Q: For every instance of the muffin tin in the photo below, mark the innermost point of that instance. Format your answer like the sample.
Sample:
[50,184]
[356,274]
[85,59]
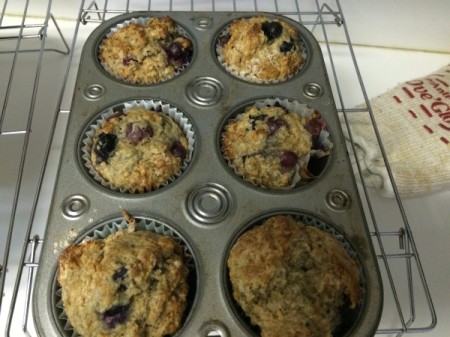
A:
[207,206]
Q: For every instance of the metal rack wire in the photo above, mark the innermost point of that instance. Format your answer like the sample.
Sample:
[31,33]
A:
[31,42]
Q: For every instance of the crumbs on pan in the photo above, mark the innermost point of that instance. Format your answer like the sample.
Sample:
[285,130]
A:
[66,241]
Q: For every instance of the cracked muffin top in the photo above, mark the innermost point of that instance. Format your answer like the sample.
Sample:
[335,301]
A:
[292,278]
[138,151]
[261,49]
[145,53]
[267,145]
[132,283]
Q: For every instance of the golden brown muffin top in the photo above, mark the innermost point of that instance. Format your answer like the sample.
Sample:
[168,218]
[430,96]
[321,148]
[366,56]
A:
[145,53]
[131,283]
[261,48]
[292,278]
[139,150]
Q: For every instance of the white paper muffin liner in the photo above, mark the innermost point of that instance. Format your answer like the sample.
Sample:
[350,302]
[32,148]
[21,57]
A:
[179,118]
[252,78]
[304,111]
[143,21]
[102,232]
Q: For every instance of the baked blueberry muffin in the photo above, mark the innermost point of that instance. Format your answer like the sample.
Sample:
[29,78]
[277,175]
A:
[139,150]
[145,53]
[292,278]
[132,283]
[261,49]
[269,146]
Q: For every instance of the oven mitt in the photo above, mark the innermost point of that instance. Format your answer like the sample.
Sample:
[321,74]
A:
[413,120]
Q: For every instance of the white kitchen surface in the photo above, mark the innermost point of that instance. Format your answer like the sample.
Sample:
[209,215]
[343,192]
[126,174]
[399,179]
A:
[393,41]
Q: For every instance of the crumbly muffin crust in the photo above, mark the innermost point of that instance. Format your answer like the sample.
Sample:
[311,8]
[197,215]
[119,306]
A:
[139,150]
[145,54]
[261,48]
[266,145]
[130,284]
[292,278]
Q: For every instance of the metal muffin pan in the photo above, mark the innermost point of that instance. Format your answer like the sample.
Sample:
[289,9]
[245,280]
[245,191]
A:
[208,205]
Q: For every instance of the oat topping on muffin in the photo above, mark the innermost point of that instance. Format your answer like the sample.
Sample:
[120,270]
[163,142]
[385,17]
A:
[293,278]
[268,146]
[139,150]
[146,53]
[132,283]
[261,48]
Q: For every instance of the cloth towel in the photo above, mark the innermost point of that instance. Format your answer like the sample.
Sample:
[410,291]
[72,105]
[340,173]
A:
[413,120]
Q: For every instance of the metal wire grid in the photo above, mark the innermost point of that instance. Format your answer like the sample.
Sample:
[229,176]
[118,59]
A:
[393,241]
[22,38]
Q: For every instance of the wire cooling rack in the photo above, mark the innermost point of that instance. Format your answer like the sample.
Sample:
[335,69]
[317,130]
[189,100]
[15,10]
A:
[38,59]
